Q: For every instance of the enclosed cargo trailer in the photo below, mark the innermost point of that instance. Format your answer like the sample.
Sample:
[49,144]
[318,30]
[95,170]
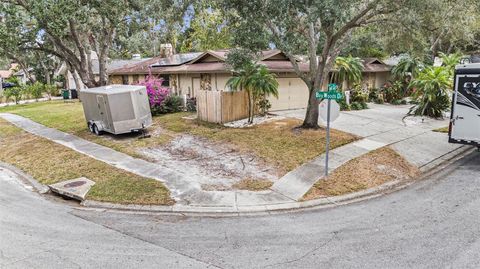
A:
[116,109]
[465,117]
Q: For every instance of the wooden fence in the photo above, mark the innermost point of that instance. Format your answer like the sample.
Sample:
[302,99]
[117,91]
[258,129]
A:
[221,107]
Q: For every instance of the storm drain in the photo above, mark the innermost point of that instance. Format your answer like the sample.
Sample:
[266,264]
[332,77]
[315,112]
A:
[75,188]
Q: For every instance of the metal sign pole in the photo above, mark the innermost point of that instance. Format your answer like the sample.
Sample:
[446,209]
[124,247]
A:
[328,137]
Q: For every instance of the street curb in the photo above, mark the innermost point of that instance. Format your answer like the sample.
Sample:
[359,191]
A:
[432,168]
[39,187]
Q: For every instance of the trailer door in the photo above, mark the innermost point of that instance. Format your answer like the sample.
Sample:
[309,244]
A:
[466,109]
[103,112]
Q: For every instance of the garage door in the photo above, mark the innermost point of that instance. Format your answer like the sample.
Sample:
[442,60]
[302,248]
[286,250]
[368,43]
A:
[292,94]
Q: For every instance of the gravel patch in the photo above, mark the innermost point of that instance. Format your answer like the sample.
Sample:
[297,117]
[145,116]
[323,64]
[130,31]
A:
[256,120]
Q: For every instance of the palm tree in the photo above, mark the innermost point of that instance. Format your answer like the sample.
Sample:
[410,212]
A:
[257,81]
[432,92]
[407,68]
[451,60]
[348,69]
[263,84]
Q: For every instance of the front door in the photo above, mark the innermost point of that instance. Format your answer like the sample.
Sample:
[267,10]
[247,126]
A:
[195,86]
[103,112]
[466,113]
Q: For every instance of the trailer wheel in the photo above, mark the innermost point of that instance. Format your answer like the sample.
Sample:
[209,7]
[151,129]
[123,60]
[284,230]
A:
[90,127]
[96,130]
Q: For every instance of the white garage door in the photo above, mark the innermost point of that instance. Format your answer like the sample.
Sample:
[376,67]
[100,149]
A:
[292,94]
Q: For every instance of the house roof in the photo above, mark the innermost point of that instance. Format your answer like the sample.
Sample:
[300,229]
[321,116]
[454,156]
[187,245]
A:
[5,73]
[214,62]
[144,66]
[9,72]
[375,65]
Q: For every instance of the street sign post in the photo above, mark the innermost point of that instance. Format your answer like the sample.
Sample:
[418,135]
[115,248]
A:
[331,94]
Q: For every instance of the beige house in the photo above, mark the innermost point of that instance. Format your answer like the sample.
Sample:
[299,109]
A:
[188,73]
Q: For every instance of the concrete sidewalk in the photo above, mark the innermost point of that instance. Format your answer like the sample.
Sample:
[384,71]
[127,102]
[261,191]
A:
[380,126]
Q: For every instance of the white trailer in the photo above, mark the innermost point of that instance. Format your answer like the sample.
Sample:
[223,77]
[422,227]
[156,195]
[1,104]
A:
[465,117]
[116,109]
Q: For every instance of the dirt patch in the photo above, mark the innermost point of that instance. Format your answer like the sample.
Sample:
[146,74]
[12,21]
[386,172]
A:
[215,165]
[367,171]
[253,185]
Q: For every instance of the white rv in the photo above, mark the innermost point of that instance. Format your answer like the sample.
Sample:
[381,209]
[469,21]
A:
[116,109]
[465,118]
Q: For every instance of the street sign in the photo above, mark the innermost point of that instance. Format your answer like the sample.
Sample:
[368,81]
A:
[330,95]
[329,111]
[334,110]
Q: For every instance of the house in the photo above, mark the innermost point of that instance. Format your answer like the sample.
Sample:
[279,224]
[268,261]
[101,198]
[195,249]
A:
[23,76]
[112,64]
[188,73]
[5,74]
[376,73]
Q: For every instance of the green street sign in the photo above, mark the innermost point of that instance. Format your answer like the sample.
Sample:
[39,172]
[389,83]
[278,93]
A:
[332,87]
[330,95]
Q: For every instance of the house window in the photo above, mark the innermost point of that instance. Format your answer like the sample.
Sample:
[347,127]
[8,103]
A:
[135,79]
[166,80]
[125,80]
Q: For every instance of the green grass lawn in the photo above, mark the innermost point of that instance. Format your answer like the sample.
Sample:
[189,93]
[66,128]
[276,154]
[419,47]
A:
[278,143]
[49,162]
[68,117]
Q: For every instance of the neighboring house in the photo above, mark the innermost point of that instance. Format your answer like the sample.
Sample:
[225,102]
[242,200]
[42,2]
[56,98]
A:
[5,74]
[23,77]
[375,73]
[188,73]
[111,65]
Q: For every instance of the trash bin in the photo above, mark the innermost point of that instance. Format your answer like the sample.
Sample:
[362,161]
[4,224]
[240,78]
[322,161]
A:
[73,94]
[66,94]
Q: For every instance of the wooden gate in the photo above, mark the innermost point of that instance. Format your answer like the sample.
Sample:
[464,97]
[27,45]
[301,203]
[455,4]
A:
[222,107]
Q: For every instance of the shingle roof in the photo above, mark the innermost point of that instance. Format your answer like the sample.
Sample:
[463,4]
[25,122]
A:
[374,65]
[189,63]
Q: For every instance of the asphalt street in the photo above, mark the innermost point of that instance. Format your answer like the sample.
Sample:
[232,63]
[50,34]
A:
[434,223]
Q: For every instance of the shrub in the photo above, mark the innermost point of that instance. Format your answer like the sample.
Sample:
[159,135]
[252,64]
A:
[15,92]
[376,96]
[51,90]
[432,87]
[396,102]
[394,92]
[171,104]
[36,90]
[343,105]
[356,106]
[364,105]
[264,105]
[191,104]
[156,93]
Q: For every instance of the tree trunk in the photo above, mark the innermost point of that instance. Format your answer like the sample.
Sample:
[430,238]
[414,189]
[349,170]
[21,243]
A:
[311,117]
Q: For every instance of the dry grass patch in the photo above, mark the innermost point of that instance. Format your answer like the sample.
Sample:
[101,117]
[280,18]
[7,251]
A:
[442,130]
[49,163]
[277,142]
[253,184]
[370,170]
[68,117]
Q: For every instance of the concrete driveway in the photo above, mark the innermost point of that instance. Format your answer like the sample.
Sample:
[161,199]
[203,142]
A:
[432,224]
[412,137]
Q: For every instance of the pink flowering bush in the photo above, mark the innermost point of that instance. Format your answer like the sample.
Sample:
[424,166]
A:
[156,92]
